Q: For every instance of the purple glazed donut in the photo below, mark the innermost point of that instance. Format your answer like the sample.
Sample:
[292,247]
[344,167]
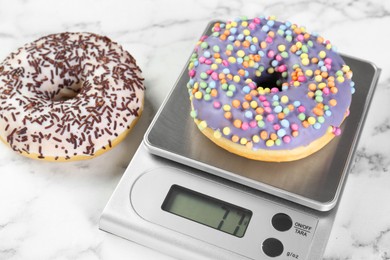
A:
[268,90]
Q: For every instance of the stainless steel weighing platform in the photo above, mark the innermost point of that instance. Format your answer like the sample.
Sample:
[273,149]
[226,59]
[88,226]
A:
[292,205]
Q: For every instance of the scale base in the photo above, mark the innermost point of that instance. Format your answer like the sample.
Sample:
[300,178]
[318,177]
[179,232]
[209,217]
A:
[121,218]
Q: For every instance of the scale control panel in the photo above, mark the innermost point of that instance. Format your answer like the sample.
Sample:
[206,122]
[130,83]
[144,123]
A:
[222,216]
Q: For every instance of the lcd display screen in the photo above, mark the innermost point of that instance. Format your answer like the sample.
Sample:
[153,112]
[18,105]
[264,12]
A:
[207,210]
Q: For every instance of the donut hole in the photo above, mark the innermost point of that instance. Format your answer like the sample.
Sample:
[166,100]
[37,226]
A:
[66,93]
[269,80]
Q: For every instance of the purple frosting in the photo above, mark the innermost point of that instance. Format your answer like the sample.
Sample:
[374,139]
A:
[292,86]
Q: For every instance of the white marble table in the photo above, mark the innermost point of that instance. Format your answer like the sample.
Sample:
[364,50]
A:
[51,210]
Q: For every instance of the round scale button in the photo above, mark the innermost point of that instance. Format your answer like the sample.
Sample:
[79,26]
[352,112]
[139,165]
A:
[282,222]
[272,247]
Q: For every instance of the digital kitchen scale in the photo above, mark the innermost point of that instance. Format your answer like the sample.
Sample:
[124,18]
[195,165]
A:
[186,197]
